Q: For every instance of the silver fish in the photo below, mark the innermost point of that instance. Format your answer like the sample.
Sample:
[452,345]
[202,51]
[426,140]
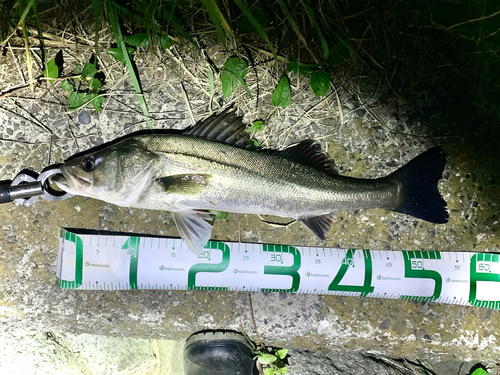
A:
[214,165]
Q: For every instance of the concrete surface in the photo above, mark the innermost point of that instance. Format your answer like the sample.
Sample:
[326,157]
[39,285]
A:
[26,353]
[361,147]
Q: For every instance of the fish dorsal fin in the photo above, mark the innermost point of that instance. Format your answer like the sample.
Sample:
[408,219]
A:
[318,224]
[309,153]
[224,127]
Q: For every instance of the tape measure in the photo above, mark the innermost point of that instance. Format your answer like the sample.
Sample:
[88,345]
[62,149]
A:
[122,262]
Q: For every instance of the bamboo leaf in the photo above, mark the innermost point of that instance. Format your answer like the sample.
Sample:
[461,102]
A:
[312,17]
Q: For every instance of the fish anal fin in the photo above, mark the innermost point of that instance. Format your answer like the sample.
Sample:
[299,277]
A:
[186,184]
[319,225]
[309,153]
[193,228]
[224,127]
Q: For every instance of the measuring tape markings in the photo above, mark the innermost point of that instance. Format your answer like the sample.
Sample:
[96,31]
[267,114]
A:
[127,262]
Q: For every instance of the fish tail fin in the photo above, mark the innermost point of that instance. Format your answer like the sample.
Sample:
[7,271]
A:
[419,196]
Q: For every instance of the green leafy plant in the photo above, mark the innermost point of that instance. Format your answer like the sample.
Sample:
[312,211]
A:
[281,95]
[320,82]
[272,364]
[51,70]
[232,75]
[269,360]
[339,53]
[257,126]
[218,215]
[85,89]
[137,40]
[479,371]
[320,79]
[118,55]
[303,69]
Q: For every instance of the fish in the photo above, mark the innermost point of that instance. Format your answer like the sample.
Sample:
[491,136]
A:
[215,165]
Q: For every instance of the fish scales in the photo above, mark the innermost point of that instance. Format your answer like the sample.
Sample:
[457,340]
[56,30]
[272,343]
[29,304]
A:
[214,166]
[250,181]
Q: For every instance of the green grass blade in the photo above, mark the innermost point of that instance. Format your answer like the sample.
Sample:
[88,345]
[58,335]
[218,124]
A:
[115,26]
[177,25]
[314,23]
[129,15]
[218,19]
[29,60]
[21,22]
[295,27]
[40,34]
[97,6]
[257,25]
[25,11]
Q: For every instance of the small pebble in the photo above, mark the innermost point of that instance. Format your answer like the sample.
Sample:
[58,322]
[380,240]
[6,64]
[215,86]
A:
[84,118]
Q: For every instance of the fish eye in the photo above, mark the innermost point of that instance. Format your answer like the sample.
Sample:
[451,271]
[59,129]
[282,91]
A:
[88,165]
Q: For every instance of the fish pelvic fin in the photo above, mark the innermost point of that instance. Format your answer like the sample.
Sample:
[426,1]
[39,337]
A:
[319,225]
[193,228]
[419,195]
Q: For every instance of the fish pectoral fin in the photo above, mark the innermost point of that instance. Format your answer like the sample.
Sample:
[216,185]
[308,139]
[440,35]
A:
[318,224]
[186,184]
[193,228]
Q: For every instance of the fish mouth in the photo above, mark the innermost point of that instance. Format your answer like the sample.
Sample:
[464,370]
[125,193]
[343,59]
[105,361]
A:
[70,183]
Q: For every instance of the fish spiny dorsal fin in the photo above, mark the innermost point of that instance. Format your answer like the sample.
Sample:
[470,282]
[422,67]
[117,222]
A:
[224,127]
[309,153]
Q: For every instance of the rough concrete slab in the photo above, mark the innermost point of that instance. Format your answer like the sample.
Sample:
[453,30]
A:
[108,355]
[31,353]
[58,353]
[349,363]
[361,148]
